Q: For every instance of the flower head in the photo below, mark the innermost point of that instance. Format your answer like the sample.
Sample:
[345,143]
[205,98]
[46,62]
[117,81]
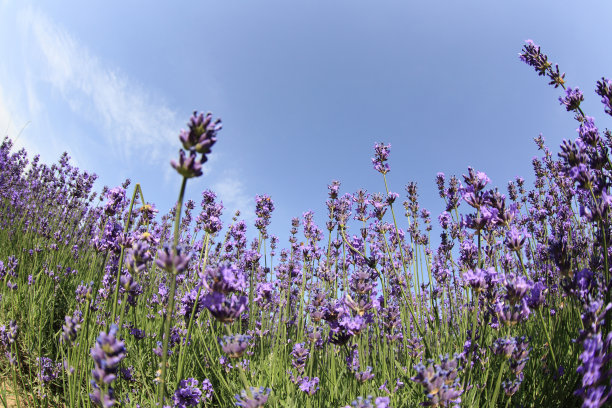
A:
[572,99]
[226,279]
[172,262]
[187,394]
[107,353]
[381,155]
[309,385]
[234,346]
[257,398]
[202,133]
[225,308]
[187,167]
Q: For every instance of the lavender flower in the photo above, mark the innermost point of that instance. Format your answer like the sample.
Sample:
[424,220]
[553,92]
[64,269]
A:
[258,397]
[517,288]
[595,357]
[225,308]
[379,402]
[47,369]
[173,263]
[364,376]
[263,209]
[107,353]
[234,346]
[116,201]
[299,356]
[187,167]
[515,239]
[210,217]
[604,89]
[572,99]
[71,327]
[539,61]
[202,134]
[441,382]
[480,279]
[225,279]
[309,385]
[381,155]
[187,394]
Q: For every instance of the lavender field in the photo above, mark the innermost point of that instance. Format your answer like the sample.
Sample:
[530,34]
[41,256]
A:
[106,302]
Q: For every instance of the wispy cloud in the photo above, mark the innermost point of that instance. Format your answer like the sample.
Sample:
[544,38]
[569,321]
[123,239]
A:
[231,190]
[11,124]
[131,119]
[78,102]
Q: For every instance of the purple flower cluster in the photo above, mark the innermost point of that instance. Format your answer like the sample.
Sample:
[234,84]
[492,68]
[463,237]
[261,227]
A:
[223,302]
[188,394]
[441,382]
[48,370]
[71,327]
[381,156]
[370,402]
[199,139]
[263,210]
[234,346]
[255,398]
[210,218]
[174,262]
[107,353]
[516,350]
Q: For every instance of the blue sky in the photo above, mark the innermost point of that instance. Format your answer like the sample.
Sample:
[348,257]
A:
[304,90]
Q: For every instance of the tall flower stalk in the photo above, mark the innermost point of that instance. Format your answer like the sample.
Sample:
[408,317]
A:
[199,139]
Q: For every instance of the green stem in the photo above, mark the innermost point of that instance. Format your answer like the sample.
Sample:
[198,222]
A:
[193,312]
[168,322]
[120,266]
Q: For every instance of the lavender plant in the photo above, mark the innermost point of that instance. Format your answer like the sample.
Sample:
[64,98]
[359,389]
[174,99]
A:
[361,311]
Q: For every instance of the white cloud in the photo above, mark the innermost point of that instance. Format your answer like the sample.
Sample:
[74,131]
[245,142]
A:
[12,125]
[79,103]
[131,119]
[231,191]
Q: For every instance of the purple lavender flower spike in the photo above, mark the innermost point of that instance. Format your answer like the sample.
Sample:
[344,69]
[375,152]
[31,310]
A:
[516,239]
[517,288]
[70,329]
[209,219]
[107,353]
[361,402]
[299,356]
[480,279]
[116,201]
[309,385]
[589,134]
[202,133]
[573,98]
[226,279]
[381,155]
[441,382]
[259,397]
[532,56]
[604,89]
[171,262]
[234,346]
[187,167]
[225,308]
[364,376]
[187,394]
[263,209]
[48,370]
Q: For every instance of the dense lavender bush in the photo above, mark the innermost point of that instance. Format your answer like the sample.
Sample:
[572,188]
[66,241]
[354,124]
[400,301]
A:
[103,303]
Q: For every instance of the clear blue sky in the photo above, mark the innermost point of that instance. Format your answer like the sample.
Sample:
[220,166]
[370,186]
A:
[304,89]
